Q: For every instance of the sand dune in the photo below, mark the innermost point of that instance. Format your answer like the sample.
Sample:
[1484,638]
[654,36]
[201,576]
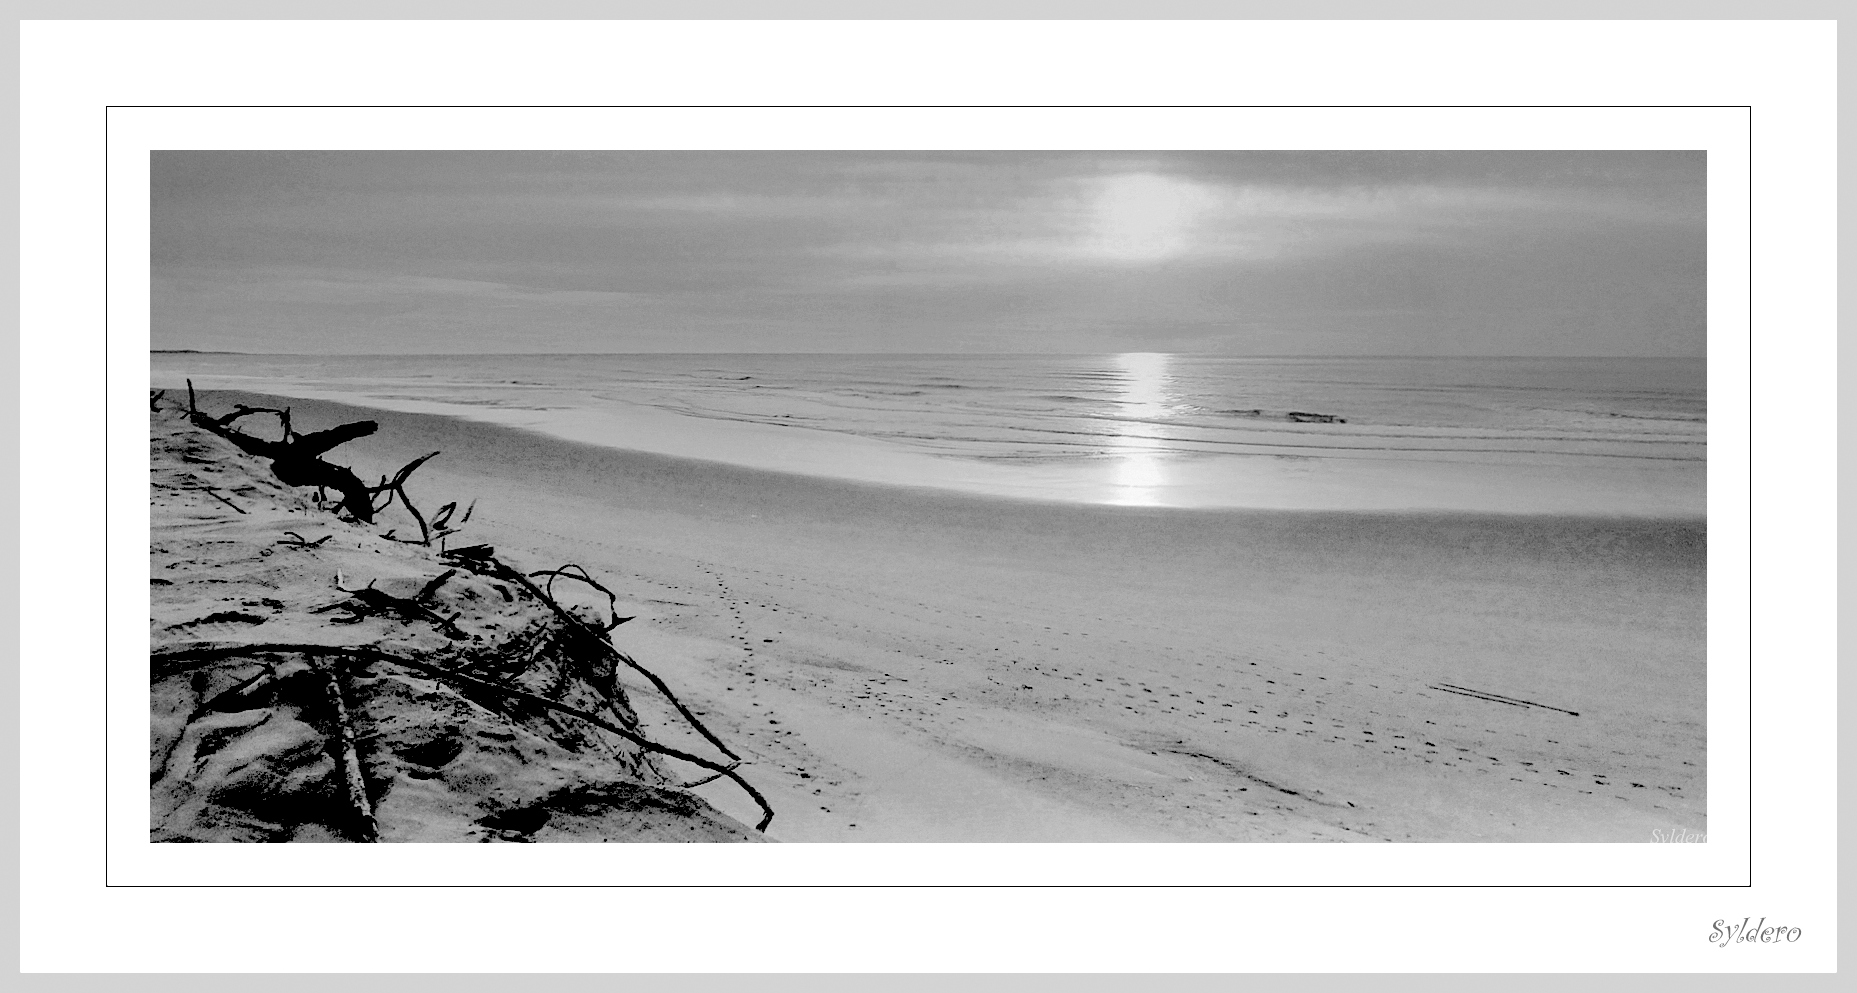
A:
[254,737]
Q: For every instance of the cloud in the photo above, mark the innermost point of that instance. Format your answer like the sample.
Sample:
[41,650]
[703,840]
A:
[863,251]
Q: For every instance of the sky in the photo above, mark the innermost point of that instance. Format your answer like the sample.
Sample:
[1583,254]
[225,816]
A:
[1238,253]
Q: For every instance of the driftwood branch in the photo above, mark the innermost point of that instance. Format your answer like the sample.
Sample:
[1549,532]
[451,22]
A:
[397,487]
[355,786]
[175,661]
[318,442]
[296,540]
[483,557]
[240,410]
[426,592]
[581,575]
[297,459]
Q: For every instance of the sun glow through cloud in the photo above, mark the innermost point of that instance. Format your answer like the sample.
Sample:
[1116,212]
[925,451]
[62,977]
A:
[1343,253]
[1144,217]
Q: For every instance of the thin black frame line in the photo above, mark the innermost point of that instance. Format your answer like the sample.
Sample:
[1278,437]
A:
[1750,500]
[936,886]
[930,106]
[1750,344]
[106,495]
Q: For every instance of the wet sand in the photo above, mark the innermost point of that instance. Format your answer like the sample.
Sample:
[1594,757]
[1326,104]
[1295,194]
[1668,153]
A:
[906,664]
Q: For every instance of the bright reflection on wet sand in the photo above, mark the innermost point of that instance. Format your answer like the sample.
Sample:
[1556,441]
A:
[1140,471]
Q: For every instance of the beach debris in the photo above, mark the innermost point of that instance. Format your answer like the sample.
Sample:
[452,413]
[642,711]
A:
[397,487]
[219,617]
[265,711]
[295,540]
[1498,698]
[370,602]
[524,822]
[169,662]
[215,494]
[1294,416]
[485,563]
[427,591]
[296,459]
[516,661]
[349,762]
[580,574]
[1312,796]
[441,521]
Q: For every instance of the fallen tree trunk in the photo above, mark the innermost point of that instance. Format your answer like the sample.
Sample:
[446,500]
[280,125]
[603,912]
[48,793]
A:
[297,459]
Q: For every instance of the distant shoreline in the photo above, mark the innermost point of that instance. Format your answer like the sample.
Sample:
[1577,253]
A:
[1357,485]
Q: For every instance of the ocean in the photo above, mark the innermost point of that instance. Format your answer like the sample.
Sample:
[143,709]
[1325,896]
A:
[1568,436]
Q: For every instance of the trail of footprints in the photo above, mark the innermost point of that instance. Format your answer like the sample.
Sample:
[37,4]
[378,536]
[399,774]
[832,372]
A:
[1038,671]
[924,670]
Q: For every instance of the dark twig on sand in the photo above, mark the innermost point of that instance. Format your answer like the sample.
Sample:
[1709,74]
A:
[209,491]
[296,540]
[175,661]
[427,591]
[1498,698]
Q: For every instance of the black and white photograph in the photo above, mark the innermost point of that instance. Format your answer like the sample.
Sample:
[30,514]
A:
[946,496]
[939,496]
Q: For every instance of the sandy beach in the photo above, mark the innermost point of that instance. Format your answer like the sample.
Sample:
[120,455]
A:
[905,664]
[314,679]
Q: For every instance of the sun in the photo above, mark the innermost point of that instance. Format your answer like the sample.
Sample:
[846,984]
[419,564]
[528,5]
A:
[1144,217]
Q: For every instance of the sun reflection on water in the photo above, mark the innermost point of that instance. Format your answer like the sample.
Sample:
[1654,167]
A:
[1140,467]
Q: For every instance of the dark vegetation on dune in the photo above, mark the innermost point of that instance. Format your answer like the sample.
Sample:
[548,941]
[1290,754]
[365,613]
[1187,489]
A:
[476,706]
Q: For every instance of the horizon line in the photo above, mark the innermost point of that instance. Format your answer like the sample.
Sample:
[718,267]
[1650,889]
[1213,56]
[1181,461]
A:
[1233,355]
